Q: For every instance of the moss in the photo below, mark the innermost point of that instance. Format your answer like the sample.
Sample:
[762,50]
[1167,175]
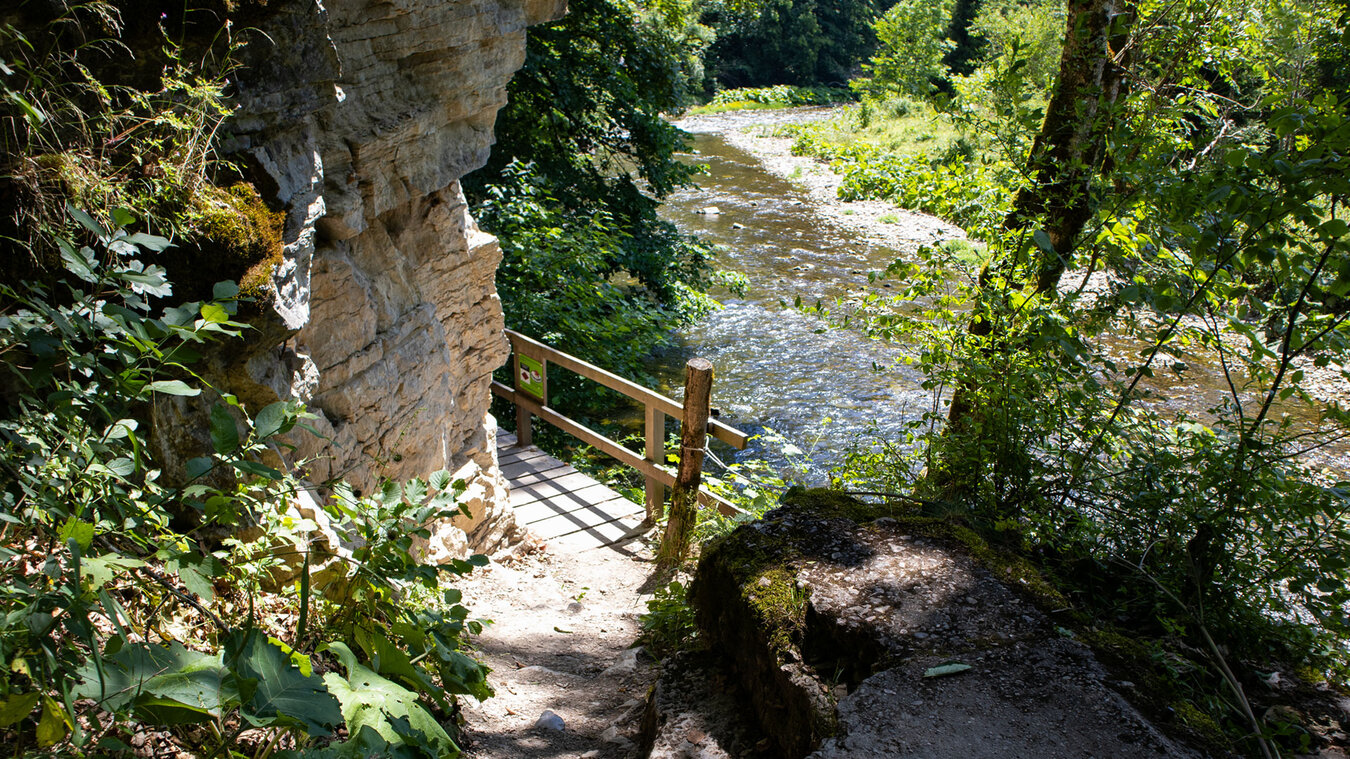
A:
[233,236]
[781,607]
[1010,568]
[830,504]
[762,570]
[1199,724]
[1155,673]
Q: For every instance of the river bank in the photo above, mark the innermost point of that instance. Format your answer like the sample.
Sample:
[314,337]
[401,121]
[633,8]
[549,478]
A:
[877,221]
[883,224]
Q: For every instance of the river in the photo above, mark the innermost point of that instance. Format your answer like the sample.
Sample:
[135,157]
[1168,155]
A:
[825,389]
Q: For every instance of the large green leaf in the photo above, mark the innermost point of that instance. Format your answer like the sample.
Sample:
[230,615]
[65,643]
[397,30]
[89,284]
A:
[391,661]
[162,684]
[100,570]
[282,692]
[371,702]
[173,387]
[224,435]
[271,420]
[17,707]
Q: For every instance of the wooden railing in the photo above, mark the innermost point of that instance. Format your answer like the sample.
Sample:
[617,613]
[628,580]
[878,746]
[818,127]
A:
[530,361]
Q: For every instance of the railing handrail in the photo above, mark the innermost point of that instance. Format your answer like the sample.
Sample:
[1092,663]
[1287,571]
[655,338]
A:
[646,396]
[657,408]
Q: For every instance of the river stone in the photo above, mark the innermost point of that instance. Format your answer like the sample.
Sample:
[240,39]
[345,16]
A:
[550,721]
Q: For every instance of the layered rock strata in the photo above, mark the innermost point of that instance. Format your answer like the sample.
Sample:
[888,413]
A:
[360,117]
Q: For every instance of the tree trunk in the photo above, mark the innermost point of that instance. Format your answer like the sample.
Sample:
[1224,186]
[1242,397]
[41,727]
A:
[1069,151]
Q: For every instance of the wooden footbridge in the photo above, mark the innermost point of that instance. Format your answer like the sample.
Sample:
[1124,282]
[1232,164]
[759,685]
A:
[570,509]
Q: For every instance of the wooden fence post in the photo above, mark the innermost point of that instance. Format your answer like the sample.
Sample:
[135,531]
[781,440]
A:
[531,378]
[698,376]
[655,438]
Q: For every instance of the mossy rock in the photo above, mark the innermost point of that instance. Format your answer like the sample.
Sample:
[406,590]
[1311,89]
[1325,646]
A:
[749,605]
[232,236]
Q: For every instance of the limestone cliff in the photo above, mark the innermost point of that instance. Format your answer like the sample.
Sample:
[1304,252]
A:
[363,115]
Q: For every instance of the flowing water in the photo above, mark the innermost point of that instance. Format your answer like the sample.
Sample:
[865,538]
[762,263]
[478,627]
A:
[775,367]
[825,389]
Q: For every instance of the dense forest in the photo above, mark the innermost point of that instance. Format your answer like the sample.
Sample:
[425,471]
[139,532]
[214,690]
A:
[1139,183]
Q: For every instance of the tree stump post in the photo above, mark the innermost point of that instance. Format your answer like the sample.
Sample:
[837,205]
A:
[698,376]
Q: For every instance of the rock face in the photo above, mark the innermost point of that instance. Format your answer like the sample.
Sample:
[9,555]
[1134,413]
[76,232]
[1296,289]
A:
[834,622]
[694,712]
[362,116]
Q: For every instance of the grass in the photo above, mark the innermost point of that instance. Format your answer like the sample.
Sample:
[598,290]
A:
[900,128]
[736,105]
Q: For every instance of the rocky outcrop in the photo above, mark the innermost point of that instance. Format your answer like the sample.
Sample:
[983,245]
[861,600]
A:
[359,118]
[843,628]
[695,712]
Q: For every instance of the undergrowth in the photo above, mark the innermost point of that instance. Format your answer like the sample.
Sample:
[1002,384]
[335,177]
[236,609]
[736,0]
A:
[777,96]
[181,588]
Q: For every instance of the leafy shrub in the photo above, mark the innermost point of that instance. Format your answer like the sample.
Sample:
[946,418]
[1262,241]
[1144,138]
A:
[783,95]
[668,626]
[104,552]
[80,128]
[560,277]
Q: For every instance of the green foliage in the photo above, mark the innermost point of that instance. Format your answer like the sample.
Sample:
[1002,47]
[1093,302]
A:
[1216,237]
[668,626]
[560,276]
[102,547]
[81,126]
[972,194]
[969,196]
[782,95]
[374,704]
[911,45]
[582,157]
[965,46]
[802,42]
[587,108]
[753,484]
[1033,31]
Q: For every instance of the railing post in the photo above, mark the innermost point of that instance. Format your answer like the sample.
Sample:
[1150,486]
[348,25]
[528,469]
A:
[531,374]
[698,376]
[654,433]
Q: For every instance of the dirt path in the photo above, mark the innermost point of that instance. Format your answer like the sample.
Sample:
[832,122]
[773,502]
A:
[569,682]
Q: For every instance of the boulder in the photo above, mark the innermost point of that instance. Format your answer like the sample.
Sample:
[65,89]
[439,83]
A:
[841,624]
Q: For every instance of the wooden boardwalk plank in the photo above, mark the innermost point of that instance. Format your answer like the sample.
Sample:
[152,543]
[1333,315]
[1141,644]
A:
[517,455]
[549,516]
[592,519]
[568,509]
[576,482]
[535,468]
[609,535]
